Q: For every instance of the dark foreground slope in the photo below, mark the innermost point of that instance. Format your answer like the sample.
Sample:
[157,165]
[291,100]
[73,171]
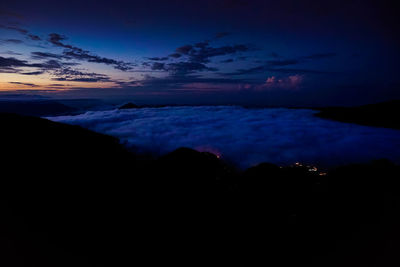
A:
[71,197]
[379,115]
[43,107]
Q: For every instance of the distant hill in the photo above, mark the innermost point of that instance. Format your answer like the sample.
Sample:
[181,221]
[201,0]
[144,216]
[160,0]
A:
[73,197]
[379,115]
[128,106]
[41,107]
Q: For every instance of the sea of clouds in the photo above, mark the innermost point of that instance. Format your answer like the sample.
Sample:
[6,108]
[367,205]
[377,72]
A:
[244,137]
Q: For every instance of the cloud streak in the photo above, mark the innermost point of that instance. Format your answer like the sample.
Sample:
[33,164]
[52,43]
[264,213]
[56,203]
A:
[77,53]
[12,41]
[21,31]
[71,75]
[193,58]
[24,84]
[61,70]
[279,65]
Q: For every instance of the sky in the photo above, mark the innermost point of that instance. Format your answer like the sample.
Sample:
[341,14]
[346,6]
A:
[271,53]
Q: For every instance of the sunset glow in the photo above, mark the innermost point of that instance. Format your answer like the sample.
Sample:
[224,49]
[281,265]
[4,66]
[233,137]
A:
[198,54]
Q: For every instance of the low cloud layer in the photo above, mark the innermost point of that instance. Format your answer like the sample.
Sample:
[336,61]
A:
[244,137]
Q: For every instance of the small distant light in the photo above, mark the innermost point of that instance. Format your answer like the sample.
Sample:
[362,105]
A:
[313,169]
[322,173]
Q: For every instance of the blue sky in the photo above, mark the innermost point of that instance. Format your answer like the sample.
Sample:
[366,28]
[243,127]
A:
[202,52]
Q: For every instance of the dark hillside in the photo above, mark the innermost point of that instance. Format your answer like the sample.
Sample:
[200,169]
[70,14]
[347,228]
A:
[379,115]
[35,107]
[72,197]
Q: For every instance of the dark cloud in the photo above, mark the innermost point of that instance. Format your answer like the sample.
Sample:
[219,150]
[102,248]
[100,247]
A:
[80,54]
[52,64]
[25,84]
[34,37]
[204,54]
[181,82]
[158,66]
[13,62]
[71,75]
[32,73]
[253,70]
[125,84]
[21,31]
[86,80]
[8,70]
[182,68]
[158,58]
[60,70]
[71,72]
[273,65]
[196,57]
[175,55]
[177,81]
[193,59]
[14,28]
[55,67]
[56,39]
[43,55]
[70,52]
[11,53]
[184,49]
[268,68]
[202,44]
[227,60]
[12,41]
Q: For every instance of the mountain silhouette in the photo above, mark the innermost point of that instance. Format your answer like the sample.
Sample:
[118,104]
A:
[42,107]
[128,106]
[379,115]
[73,197]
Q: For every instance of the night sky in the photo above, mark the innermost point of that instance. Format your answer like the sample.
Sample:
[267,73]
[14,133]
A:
[290,53]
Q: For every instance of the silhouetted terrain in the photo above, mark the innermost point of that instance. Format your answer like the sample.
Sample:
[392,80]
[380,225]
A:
[128,106]
[72,197]
[379,115]
[42,106]
[35,107]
